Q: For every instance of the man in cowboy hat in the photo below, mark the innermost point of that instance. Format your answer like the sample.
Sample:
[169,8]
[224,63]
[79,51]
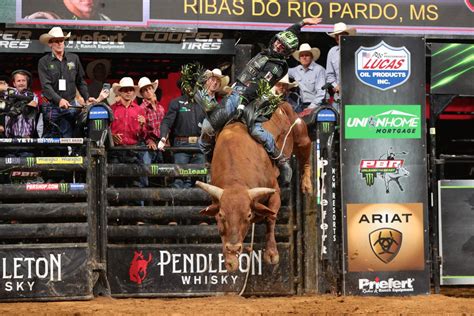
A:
[333,61]
[61,74]
[310,76]
[97,70]
[69,10]
[270,66]
[182,123]
[286,90]
[154,113]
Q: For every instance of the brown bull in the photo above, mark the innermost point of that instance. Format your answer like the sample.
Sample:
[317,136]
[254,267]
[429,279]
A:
[244,181]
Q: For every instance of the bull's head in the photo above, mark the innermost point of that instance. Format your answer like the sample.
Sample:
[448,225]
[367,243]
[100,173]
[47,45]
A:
[235,209]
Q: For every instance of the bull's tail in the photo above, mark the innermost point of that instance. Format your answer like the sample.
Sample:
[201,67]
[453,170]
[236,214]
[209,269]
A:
[282,149]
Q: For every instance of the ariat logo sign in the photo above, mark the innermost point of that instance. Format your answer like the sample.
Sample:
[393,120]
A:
[391,285]
[382,66]
[30,161]
[385,243]
[64,187]
[387,169]
[382,121]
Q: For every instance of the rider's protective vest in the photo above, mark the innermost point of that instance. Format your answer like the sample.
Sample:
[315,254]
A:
[262,66]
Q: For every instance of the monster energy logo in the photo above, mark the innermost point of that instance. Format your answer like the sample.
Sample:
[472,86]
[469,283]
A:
[154,169]
[30,161]
[326,126]
[98,124]
[63,187]
[369,178]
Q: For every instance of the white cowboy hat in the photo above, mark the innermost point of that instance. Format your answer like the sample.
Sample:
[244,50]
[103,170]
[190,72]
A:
[90,67]
[216,72]
[55,32]
[125,82]
[341,27]
[306,48]
[285,80]
[143,82]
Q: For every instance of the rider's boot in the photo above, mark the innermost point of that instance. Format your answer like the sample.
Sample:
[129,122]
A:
[283,164]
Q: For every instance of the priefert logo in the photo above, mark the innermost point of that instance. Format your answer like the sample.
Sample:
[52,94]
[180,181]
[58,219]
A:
[386,286]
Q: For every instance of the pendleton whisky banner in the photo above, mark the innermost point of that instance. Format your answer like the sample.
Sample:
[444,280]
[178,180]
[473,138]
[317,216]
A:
[383,159]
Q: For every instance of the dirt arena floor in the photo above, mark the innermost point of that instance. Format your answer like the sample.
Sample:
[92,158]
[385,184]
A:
[452,301]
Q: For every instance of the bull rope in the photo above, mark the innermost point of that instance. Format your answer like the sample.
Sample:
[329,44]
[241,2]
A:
[250,262]
[286,137]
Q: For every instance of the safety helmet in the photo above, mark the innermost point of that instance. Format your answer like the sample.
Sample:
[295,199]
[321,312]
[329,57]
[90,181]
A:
[289,40]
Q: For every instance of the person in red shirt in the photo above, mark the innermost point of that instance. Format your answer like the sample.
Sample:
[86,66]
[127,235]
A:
[128,127]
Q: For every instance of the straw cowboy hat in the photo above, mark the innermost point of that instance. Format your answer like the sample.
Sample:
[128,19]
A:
[55,32]
[125,82]
[341,27]
[216,72]
[306,48]
[285,80]
[90,67]
[144,82]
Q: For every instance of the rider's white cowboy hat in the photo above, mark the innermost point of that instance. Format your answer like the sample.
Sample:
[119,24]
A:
[305,47]
[341,27]
[143,82]
[55,32]
[90,67]
[125,82]
[216,72]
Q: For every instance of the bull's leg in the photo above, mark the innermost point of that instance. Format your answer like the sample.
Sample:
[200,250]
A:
[271,252]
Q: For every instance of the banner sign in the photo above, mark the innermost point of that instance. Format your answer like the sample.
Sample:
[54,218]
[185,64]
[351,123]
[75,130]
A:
[184,270]
[456,238]
[26,41]
[54,272]
[327,206]
[383,159]
[383,16]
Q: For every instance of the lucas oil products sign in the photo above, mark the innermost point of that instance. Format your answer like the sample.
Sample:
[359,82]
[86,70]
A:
[384,179]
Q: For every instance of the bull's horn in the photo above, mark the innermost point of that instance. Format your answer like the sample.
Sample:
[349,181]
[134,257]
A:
[258,192]
[214,191]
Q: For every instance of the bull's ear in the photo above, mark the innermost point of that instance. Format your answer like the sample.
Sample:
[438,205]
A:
[211,210]
[262,210]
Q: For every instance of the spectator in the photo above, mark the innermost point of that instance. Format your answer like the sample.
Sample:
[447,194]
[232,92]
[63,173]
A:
[288,92]
[182,121]
[61,73]
[97,70]
[333,63]
[23,123]
[310,76]
[3,88]
[70,10]
[154,113]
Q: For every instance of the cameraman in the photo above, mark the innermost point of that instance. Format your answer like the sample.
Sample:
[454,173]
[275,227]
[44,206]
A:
[20,121]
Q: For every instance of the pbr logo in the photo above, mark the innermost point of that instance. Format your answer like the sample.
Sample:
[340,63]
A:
[387,167]
[382,66]
[386,243]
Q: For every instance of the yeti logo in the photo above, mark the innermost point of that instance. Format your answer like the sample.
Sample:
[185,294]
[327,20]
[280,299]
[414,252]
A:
[385,243]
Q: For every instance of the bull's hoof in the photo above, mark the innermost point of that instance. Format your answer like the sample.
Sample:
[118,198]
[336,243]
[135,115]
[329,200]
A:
[271,257]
